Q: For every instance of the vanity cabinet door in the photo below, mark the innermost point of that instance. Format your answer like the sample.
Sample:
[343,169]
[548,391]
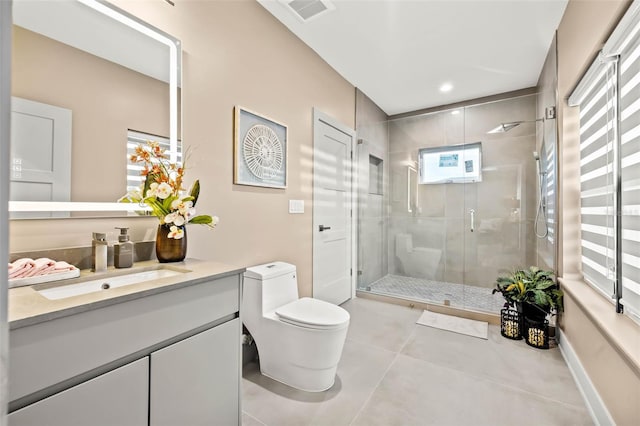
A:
[119,397]
[196,381]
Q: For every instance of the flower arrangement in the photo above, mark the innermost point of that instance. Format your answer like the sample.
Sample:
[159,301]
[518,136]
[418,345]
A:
[162,191]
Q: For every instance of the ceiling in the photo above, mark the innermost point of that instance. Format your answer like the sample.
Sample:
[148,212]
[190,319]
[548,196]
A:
[401,52]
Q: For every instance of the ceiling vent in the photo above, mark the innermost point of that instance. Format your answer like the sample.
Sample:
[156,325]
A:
[306,10]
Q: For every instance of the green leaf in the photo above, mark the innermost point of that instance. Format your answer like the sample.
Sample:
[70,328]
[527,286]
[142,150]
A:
[201,219]
[195,191]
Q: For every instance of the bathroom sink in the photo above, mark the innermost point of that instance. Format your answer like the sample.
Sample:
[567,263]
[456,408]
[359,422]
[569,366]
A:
[91,284]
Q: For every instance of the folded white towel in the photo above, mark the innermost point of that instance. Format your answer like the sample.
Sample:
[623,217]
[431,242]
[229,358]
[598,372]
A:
[21,267]
[63,266]
[42,266]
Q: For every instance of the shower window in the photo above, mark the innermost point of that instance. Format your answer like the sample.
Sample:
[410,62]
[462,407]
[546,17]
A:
[451,164]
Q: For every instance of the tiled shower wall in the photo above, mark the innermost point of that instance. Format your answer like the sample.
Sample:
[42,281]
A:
[373,171]
[439,218]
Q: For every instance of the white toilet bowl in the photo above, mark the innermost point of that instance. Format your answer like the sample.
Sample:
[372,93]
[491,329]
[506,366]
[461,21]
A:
[299,341]
[417,262]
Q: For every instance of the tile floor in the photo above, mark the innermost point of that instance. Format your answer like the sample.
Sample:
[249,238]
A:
[395,372]
[423,290]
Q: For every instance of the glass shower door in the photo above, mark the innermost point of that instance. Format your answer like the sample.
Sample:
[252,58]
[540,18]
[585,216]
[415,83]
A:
[500,206]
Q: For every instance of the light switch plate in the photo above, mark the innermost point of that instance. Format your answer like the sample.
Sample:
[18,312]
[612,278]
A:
[296,206]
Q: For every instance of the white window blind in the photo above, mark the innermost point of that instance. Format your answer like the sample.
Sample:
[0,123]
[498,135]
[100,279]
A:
[134,138]
[630,175]
[550,190]
[597,138]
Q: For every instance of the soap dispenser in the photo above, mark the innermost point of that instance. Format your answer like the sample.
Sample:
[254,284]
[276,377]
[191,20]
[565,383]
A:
[99,252]
[123,250]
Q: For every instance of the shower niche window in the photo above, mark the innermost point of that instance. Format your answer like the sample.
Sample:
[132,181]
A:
[451,164]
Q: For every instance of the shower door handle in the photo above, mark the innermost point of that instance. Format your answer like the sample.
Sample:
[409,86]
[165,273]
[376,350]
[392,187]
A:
[472,213]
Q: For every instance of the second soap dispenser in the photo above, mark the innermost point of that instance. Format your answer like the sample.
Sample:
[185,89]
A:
[123,250]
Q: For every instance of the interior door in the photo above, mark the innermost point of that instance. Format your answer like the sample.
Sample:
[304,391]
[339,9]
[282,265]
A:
[332,248]
[40,152]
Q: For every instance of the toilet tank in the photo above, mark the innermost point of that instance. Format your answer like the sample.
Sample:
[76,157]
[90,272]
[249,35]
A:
[276,281]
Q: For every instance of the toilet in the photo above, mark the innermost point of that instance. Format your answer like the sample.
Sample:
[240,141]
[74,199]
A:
[416,262]
[299,341]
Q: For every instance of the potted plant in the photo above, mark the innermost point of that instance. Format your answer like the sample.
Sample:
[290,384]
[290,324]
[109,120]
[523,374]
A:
[533,293]
[162,191]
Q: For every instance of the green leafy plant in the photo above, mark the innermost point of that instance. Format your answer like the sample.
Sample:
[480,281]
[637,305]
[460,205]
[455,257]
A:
[532,286]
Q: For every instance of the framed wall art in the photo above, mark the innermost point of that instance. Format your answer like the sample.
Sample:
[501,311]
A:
[259,150]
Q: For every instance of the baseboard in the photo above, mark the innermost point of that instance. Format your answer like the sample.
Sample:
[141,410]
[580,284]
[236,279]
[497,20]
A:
[598,411]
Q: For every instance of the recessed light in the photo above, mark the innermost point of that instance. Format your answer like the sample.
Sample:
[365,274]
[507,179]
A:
[455,112]
[446,87]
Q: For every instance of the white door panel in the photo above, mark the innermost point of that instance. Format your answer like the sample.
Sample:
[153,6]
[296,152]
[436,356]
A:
[332,249]
[40,152]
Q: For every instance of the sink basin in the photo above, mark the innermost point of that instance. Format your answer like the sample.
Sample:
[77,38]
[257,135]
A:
[105,283]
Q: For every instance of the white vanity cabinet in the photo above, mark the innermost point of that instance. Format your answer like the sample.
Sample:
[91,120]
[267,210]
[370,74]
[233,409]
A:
[170,357]
[118,397]
[195,381]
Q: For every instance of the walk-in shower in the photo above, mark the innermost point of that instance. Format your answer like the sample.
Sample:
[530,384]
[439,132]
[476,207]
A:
[446,205]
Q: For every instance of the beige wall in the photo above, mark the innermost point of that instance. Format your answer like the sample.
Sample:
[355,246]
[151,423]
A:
[236,53]
[105,99]
[594,335]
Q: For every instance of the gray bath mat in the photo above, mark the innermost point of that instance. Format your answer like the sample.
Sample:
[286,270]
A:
[456,324]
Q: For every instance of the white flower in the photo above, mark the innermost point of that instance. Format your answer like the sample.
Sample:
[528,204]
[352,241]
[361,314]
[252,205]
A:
[175,233]
[214,220]
[153,190]
[175,218]
[179,220]
[163,191]
[182,206]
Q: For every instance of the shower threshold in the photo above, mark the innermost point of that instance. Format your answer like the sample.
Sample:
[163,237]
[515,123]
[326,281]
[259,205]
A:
[430,291]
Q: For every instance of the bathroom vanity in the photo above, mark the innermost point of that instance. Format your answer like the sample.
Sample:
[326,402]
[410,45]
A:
[160,352]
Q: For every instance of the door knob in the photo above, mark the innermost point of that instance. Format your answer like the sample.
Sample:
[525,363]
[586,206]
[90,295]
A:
[324,228]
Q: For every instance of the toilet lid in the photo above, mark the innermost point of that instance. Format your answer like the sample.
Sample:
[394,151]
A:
[313,313]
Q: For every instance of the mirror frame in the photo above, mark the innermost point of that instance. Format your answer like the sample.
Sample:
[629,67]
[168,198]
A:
[175,59]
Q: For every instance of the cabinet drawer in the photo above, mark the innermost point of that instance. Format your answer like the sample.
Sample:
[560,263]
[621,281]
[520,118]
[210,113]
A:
[49,353]
[119,397]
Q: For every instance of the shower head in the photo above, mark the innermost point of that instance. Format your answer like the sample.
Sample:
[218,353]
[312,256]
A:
[505,127]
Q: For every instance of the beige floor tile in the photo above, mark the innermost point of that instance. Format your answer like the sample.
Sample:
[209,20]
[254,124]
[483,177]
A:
[416,392]
[380,324]
[360,370]
[247,420]
[506,361]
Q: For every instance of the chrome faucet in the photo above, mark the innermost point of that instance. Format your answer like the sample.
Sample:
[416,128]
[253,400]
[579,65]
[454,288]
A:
[99,252]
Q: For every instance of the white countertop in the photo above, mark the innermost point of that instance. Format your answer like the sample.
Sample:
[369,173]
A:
[27,306]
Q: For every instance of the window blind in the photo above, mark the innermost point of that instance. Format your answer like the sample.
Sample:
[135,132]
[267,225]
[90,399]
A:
[597,137]
[550,190]
[630,175]
[134,138]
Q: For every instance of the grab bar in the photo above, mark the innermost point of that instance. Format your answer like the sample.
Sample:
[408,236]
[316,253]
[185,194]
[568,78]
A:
[472,212]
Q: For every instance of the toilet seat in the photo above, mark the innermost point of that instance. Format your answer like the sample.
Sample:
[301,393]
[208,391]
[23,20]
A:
[313,313]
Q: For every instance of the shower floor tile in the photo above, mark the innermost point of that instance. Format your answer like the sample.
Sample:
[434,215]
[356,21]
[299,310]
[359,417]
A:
[423,290]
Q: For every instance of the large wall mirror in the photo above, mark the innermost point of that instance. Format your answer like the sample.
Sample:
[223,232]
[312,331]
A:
[84,74]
